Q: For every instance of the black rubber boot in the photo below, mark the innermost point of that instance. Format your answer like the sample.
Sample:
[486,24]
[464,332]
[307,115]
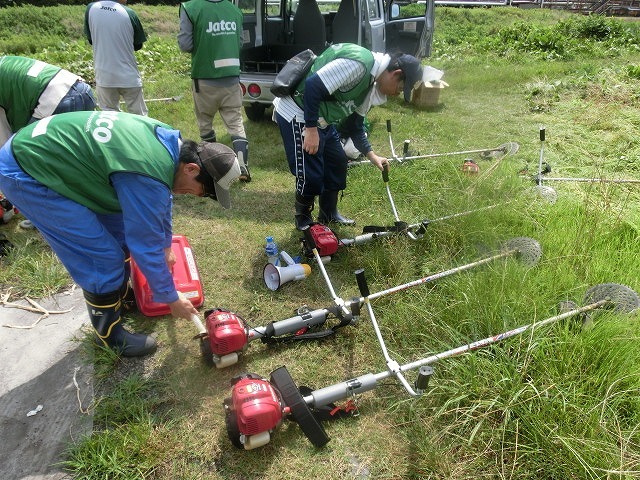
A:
[128,298]
[127,295]
[304,207]
[5,245]
[241,147]
[328,203]
[209,137]
[104,312]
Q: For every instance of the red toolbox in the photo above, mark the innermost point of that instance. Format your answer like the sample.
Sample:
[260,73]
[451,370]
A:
[185,277]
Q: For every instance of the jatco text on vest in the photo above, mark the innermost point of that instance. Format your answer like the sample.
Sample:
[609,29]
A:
[104,122]
[221,26]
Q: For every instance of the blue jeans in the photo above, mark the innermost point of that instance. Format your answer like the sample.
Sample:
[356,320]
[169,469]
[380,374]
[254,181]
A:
[79,97]
[91,246]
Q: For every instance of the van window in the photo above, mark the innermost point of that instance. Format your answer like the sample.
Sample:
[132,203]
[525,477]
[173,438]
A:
[274,8]
[408,9]
[374,11]
[247,6]
[325,6]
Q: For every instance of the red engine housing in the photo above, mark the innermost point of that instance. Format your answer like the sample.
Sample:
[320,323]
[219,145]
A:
[326,241]
[257,406]
[470,167]
[227,332]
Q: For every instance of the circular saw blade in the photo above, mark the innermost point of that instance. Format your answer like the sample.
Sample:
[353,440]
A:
[548,194]
[509,148]
[529,250]
[622,298]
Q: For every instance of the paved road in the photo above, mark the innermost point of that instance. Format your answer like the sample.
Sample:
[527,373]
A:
[38,366]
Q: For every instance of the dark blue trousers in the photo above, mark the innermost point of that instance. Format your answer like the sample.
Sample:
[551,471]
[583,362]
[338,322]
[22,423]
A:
[326,170]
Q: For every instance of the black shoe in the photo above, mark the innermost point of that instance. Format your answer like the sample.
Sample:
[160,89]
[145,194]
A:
[129,304]
[329,209]
[335,217]
[128,344]
[304,206]
[5,245]
[104,312]
[245,176]
[210,137]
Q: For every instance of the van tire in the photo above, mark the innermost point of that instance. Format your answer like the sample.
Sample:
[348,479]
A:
[255,111]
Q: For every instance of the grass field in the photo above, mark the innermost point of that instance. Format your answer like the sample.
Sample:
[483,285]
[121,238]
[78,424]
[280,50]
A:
[558,402]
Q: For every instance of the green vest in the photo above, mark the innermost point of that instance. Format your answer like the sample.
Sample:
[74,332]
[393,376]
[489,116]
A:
[343,103]
[22,81]
[75,154]
[217,38]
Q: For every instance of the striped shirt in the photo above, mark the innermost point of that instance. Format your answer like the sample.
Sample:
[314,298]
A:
[341,74]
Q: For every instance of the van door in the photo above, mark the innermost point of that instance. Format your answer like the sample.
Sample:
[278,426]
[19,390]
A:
[407,32]
[374,35]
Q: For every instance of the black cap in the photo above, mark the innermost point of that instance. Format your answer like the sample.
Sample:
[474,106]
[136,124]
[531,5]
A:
[412,70]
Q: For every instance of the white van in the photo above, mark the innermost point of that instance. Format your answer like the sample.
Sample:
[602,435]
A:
[276,30]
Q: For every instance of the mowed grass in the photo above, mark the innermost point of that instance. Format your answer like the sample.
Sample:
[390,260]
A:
[560,401]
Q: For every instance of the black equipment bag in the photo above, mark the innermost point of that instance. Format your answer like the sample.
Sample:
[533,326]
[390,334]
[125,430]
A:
[293,73]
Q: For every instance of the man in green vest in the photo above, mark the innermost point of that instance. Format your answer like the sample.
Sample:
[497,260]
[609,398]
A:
[31,89]
[98,186]
[345,81]
[211,30]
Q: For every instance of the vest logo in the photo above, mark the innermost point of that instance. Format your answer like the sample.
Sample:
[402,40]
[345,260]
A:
[350,105]
[221,27]
[111,9]
[104,124]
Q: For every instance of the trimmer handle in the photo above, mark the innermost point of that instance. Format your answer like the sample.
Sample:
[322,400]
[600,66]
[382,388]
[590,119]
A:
[385,173]
[542,132]
[362,282]
[388,126]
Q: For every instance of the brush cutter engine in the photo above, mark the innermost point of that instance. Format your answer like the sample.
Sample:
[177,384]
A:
[470,167]
[257,407]
[253,412]
[227,339]
[326,241]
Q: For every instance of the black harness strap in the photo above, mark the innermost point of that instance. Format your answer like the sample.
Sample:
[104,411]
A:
[398,227]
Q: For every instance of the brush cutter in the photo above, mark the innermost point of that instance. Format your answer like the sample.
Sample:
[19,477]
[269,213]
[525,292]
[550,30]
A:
[328,243]
[544,168]
[544,191]
[228,335]
[509,148]
[413,231]
[592,180]
[418,229]
[257,406]
[176,98]
[385,178]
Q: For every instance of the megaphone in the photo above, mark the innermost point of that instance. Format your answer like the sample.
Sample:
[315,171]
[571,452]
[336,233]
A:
[275,276]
